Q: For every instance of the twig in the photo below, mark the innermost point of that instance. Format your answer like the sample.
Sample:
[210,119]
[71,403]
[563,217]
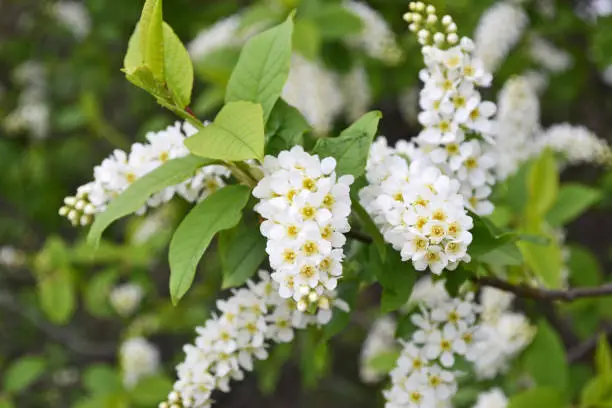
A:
[568,295]
[65,336]
[587,347]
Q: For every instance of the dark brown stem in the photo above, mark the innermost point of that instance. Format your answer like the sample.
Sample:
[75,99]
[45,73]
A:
[567,295]
[359,236]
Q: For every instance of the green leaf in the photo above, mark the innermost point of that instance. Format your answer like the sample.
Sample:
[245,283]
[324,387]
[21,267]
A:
[170,173]
[487,238]
[397,279]
[178,69]
[335,21]
[101,379]
[537,398]
[5,402]
[603,357]
[352,147]
[369,227]
[152,38]
[242,251]
[236,134]
[56,293]
[545,359]
[22,373]
[505,255]
[150,390]
[285,128]
[543,184]
[97,292]
[544,260]
[584,267]
[572,201]
[596,392]
[307,39]
[219,211]
[263,68]
[133,56]
[347,291]
[384,362]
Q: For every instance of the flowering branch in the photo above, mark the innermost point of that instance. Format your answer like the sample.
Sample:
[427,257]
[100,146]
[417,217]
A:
[568,295]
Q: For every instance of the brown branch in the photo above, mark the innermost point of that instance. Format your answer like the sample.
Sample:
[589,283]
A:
[359,236]
[567,295]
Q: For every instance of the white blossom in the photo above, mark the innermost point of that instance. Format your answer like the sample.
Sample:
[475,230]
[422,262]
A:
[117,172]
[74,16]
[126,298]
[228,344]
[548,55]
[222,34]
[356,93]
[494,398]
[306,209]
[576,144]
[376,37]
[499,30]
[417,208]
[518,120]
[315,92]
[138,358]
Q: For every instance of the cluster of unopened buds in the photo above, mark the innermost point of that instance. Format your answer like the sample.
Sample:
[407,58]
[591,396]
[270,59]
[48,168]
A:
[423,19]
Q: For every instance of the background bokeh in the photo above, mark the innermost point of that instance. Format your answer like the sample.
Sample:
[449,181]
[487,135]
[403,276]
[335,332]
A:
[80,108]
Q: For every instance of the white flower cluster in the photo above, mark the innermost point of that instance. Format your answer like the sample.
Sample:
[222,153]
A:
[306,209]
[457,126]
[126,298]
[504,334]
[548,55]
[315,92]
[138,358]
[494,398]
[518,121]
[424,375]
[121,169]
[499,30]
[418,209]
[228,344]
[380,340]
[357,93]
[376,38]
[74,16]
[220,35]
[32,112]
[576,144]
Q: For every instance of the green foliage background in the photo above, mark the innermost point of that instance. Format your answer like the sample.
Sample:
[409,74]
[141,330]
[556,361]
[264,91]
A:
[58,340]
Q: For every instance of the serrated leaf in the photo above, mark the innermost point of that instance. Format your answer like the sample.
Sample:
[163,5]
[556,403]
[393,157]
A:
[537,398]
[22,373]
[152,38]
[236,134]
[572,201]
[263,68]
[169,174]
[545,359]
[242,251]
[219,211]
[352,147]
[178,69]
[285,128]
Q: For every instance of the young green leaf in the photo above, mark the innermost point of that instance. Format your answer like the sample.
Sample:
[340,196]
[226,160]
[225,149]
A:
[22,373]
[133,57]
[170,173]
[307,39]
[573,200]
[178,69]
[537,398]
[56,293]
[544,260]
[236,134]
[242,250]
[603,357]
[152,39]
[219,211]
[352,147]
[545,359]
[263,68]
[285,128]
[543,184]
